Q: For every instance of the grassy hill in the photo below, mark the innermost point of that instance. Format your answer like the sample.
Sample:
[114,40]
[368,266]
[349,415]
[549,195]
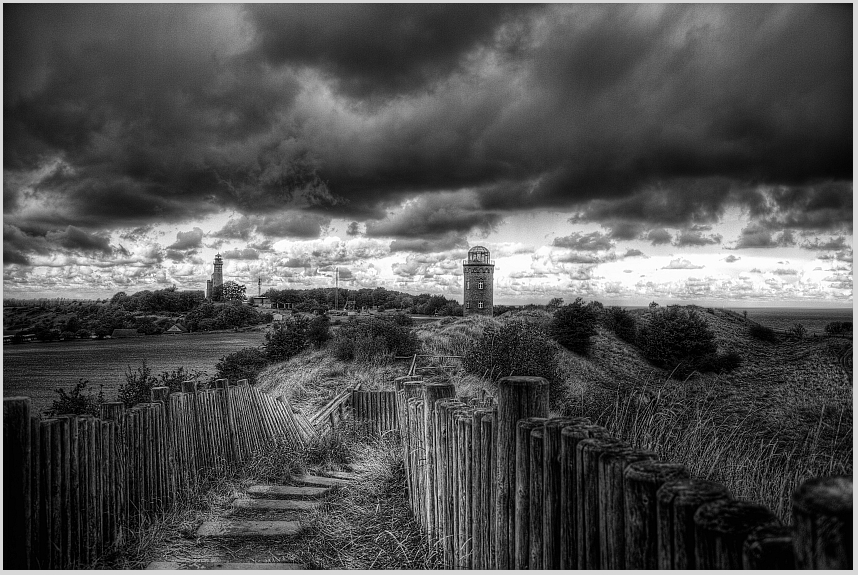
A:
[784,415]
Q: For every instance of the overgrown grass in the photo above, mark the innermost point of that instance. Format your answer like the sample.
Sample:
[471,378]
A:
[683,424]
[783,416]
[369,525]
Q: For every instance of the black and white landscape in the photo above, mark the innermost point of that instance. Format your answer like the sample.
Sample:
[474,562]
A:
[428,286]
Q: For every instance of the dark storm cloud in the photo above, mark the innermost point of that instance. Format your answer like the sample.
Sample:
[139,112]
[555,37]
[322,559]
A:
[756,235]
[837,243]
[434,217]
[594,241]
[659,236]
[243,254]
[187,240]
[450,241]
[377,49]
[643,116]
[296,225]
[695,238]
[353,229]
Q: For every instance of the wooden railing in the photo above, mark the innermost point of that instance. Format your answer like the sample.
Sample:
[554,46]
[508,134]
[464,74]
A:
[76,485]
[502,487]
[327,418]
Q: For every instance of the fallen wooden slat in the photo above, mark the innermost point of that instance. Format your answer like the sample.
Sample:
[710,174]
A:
[286,492]
[249,529]
[275,504]
[343,475]
[161,565]
[319,480]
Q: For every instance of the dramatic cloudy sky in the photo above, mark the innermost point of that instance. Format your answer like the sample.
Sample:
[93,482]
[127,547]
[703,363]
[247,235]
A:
[621,153]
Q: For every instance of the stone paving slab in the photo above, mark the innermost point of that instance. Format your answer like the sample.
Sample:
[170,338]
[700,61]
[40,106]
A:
[163,565]
[249,529]
[286,492]
[275,504]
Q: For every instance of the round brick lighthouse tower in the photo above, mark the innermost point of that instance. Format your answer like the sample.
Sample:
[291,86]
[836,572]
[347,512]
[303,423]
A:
[479,272]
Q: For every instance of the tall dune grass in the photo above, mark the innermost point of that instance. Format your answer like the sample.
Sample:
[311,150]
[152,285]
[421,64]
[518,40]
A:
[685,428]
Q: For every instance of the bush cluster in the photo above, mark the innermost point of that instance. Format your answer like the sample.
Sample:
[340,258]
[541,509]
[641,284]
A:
[139,382]
[574,324]
[763,333]
[518,347]
[839,327]
[287,339]
[245,363]
[676,339]
[375,338]
[77,401]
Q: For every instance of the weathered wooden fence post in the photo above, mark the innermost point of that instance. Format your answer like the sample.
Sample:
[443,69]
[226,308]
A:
[464,422]
[721,528]
[115,411]
[489,491]
[478,485]
[537,500]
[518,397]
[678,501]
[551,491]
[17,473]
[570,436]
[587,456]
[444,410]
[822,515]
[523,503]
[642,480]
[432,392]
[612,509]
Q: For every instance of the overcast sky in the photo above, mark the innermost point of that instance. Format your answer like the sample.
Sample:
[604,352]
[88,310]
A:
[624,153]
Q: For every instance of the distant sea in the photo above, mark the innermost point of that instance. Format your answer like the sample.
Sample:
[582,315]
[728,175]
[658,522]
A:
[813,319]
[35,370]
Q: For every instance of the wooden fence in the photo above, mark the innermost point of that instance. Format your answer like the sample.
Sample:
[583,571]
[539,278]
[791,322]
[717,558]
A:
[76,485]
[376,409]
[327,418]
[497,485]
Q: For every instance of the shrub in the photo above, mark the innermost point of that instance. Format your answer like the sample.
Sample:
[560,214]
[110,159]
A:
[138,386]
[622,323]
[173,379]
[839,327]
[573,325]
[370,339]
[517,347]
[763,333]
[798,331]
[319,330]
[287,339]
[675,339]
[718,362]
[245,363]
[77,401]
[139,383]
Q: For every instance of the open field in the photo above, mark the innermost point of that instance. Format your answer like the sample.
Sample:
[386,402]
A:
[37,369]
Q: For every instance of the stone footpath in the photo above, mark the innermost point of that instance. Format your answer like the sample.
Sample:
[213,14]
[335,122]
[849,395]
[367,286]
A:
[258,525]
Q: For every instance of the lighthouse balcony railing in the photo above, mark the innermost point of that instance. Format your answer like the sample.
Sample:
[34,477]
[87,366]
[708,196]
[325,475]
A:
[478,263]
